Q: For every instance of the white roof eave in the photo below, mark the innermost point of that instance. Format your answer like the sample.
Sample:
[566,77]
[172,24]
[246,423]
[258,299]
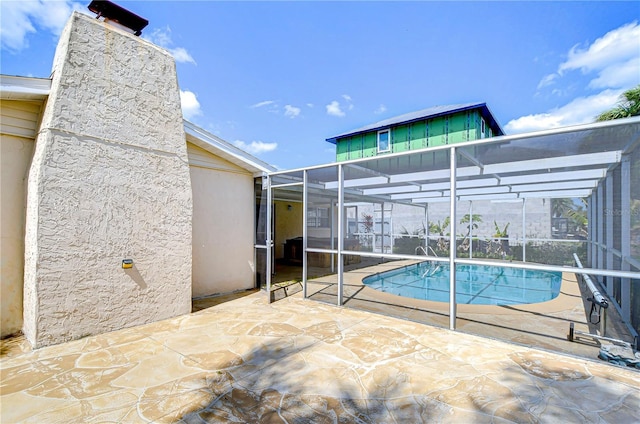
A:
[24,88]
[225,150]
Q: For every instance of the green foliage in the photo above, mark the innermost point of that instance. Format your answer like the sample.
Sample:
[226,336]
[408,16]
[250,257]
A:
[552,253]
[464,223]
[629,105]
[441,230]
[501,233]
[576,213]
[440,227]
[560,206]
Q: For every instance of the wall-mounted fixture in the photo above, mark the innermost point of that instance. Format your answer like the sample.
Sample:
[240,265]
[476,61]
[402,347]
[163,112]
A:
[127,263]
[289,207]
[111,12]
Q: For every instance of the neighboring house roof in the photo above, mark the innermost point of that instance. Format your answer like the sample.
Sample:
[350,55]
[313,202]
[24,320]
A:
[28,88]
[432,112]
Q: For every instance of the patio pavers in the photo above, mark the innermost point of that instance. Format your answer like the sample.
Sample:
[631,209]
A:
[298,360]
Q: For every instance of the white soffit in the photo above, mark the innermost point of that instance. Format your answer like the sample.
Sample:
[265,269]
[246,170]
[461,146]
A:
[24,88]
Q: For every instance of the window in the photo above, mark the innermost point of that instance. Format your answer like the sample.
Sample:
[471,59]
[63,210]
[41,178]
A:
[383,141]
[318,217]
[482,128]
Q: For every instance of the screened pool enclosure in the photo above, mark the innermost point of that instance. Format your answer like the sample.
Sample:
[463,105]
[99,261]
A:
[531,201]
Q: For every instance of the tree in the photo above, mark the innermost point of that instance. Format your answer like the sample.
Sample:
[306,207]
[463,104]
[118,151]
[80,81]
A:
[559,207]
[440,229]
[629,105]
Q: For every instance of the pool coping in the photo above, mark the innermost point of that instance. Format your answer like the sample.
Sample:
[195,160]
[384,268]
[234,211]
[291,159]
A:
[566,299]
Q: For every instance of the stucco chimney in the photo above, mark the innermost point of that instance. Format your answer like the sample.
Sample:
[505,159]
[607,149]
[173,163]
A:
[109,181]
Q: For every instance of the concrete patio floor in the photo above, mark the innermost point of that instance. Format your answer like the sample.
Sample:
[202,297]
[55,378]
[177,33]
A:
[298,360]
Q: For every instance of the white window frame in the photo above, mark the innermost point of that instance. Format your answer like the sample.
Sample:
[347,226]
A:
[388,149]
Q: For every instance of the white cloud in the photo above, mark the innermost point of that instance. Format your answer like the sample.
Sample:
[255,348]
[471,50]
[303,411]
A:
[381,109]
[624,75]
[190,104]
[347,98]
[579,111]
[291,111]
[334,109]
[256,147]
[162,38]
[309,104]
[181,55]
[547,80]
[611,64]
[264,103]
[614,59]
[616,46]
[20,18]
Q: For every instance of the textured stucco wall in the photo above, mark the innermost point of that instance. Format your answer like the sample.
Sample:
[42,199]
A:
[15,157]
[223,210]
[109,180]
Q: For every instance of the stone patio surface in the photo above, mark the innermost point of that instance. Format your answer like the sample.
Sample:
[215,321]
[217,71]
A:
[301,361]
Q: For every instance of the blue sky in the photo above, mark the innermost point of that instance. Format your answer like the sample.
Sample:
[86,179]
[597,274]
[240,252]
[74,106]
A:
[278,78]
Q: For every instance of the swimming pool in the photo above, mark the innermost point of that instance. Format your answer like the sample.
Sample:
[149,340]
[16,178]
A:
[475,284]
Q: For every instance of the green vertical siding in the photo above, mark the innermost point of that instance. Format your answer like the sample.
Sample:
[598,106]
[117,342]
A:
[450,129]
[400,139]
[370,144]
[437,131]
[457,128]
[355,147]
[418,135]
[342,149]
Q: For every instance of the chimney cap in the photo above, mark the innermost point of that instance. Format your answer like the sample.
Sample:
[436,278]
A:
[113,12]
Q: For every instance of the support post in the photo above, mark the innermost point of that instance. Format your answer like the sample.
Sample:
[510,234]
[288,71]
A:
[332,234]
[608,222]
[600,231]
[589,230]
[470,229]
[268,240]
[593,235]
[625,236]
[524,230]
[305,223]
[340,231]
[382,228]
[426,229]
[452,241]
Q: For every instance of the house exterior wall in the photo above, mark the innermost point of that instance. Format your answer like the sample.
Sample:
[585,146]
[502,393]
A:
[109,180]
[288,224]
[223,214]
[431,132]
[19,122]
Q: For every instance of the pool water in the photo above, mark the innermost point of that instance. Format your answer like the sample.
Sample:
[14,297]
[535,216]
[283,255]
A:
[475,284]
